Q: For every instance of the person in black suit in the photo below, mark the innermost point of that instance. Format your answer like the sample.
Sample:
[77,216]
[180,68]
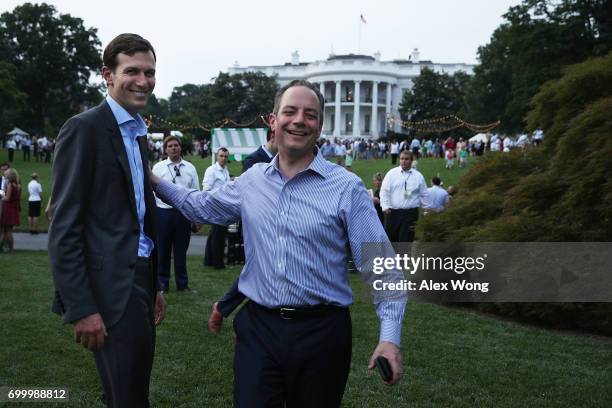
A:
[233,298]
[102,238]
[263,154]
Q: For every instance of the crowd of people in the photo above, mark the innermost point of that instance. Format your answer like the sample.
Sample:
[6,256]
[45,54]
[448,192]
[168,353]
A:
[39,147]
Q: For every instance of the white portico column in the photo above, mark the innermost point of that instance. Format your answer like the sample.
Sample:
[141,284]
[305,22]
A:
[388,106]
[337,110]
[374,117]
[356,131]
[322,90]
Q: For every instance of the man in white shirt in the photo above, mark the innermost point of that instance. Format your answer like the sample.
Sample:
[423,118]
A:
[214,177]
[436,198]
[11,146]
[173,229]
[401,194]
[395,149]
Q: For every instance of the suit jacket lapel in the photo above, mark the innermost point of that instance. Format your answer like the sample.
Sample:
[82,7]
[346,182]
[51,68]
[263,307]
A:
[119,148]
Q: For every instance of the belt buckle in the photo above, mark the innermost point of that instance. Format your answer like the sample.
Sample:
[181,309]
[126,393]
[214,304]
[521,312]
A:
[285,313]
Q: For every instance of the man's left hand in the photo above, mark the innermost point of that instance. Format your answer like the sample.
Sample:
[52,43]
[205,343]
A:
[392,353]
[160,308]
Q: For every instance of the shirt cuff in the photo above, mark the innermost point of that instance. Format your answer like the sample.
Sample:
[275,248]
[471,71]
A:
[391,331]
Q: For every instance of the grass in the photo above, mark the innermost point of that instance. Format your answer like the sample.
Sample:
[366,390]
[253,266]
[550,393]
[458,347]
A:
[451,357]
[363,168]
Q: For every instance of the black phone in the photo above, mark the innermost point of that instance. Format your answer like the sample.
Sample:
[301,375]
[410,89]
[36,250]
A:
[384,368]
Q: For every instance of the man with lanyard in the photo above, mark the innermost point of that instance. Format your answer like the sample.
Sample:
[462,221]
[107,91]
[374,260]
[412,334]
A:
[174,230]
[216,176]
[303,216]
[401,195]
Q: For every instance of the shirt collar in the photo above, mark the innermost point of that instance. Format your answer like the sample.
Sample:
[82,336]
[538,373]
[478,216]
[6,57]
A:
[218,166]
[122,116]
[171,163]
[318,164]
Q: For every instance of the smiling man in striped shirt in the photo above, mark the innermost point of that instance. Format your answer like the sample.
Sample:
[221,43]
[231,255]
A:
[303,216]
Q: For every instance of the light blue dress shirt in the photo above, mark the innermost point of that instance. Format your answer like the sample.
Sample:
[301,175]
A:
[131,128]
[298,234]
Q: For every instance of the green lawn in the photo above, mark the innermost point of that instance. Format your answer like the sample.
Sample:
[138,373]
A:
[451,357]
[363,168]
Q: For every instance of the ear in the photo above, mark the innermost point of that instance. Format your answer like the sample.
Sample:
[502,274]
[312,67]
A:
[272,121]
[107,75]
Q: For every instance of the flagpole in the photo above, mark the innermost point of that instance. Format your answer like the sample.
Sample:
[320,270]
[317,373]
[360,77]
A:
[359,37]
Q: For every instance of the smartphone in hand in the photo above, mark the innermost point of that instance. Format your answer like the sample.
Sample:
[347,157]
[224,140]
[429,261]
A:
[384,368]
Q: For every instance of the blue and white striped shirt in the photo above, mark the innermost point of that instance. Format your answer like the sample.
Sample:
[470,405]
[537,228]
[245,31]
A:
[298,233]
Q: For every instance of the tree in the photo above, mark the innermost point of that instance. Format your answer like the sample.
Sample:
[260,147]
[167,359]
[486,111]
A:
[12,100]
[54,56]
[539,38]
[558,192]
[434,96]
[240,98]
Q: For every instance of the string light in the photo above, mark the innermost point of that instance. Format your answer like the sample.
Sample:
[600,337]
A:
[438,125]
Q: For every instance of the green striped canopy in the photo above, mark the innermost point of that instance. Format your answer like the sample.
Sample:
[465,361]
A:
[239,142]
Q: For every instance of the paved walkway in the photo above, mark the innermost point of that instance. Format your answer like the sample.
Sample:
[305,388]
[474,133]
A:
[38,242]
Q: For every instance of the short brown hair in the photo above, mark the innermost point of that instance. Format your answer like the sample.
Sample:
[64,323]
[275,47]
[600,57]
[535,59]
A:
[307,84]
[407,153]
[128,44]
[169,138]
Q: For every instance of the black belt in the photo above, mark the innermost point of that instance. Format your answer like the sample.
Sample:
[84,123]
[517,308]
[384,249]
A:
[413,209]
[299,312]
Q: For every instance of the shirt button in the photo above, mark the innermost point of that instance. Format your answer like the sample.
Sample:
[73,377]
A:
[280,265]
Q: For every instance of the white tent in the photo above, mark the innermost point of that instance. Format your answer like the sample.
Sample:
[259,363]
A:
[239,142]
[16,131]
[480,137]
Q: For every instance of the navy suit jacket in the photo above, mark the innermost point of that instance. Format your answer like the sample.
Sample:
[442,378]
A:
[94,234]
[258,156]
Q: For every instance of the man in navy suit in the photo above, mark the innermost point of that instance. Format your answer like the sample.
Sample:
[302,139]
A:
[264,154]
[233,298]
[102,240]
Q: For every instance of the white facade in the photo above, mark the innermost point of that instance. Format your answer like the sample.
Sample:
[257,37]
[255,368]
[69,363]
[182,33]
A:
[360,91]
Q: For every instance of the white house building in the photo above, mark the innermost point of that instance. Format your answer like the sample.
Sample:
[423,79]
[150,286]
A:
[360,91]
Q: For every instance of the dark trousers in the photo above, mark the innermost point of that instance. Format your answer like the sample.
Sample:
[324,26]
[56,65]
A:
[215,246]
[11,154]
[124,363]
[173,236]
[400,224]
[291,363]
[26,153]
[394,158]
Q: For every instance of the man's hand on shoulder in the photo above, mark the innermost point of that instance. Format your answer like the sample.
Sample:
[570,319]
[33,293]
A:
[90,332]
[392,353]
[160,308]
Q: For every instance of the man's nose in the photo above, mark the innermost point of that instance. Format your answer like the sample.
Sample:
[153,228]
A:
[298,118]
[141,79]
